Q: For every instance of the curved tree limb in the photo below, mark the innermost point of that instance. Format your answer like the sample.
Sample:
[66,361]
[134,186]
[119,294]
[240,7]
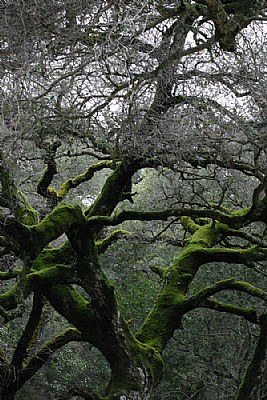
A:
[86,176]
[40,358]
[249,314]
[20,353]
[103,244]
[13,198]
[233,219]
[226,284]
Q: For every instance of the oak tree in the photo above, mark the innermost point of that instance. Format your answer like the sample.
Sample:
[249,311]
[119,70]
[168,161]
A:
[125,88]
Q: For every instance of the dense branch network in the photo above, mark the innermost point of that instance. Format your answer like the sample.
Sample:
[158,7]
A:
[145,95]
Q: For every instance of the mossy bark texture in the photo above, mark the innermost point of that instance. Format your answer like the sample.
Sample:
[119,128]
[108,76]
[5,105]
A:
[135,358]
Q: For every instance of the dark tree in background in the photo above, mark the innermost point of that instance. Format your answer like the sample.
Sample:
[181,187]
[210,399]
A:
[96,99]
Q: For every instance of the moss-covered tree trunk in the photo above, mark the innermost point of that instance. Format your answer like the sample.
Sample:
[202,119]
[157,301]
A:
[134,357]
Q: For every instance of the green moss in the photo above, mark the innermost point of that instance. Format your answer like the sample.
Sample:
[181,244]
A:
[240,213]
[74,182]
[250,289]
[169,307]
[55,224]
[103,244]
[144,358]
[189,224]
[113,188]
[16,200]
[8,299]
[163,319]
[204,236]
[51,276]
[150,358]
[70,304]
[6,275]
[249,313]
[49,257]
[24,212]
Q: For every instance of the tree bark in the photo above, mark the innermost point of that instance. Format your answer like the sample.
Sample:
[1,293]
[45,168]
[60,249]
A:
[254,369]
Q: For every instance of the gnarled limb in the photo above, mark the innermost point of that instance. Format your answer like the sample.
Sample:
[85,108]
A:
[112,192]
[170,306]
[86,176]
[225,31]
[226,284]
[230,17]
[232,219]
[20,353]
[172,303]
[45,181]
[103,244]
[59,221]
[13,198]
[249,314]
[43,185]
[26,371]
[33,239]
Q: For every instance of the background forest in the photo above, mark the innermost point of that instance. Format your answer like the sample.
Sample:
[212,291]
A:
[133,208]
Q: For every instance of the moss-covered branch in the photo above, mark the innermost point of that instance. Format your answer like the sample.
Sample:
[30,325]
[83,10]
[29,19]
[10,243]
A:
[234,219]
[40,358]
[170,305]
[33,239]
[172,302]
[20,353]
[249,314]
[43,185]
[59,273]
[6,275]
[13,198]
[75,308]
[103,244]
[8,299]
[246,236]
[54,197]
[48,276]
[86,176]
[235,256]
[226,284]
[59,221]
[113,189]
[70,334]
